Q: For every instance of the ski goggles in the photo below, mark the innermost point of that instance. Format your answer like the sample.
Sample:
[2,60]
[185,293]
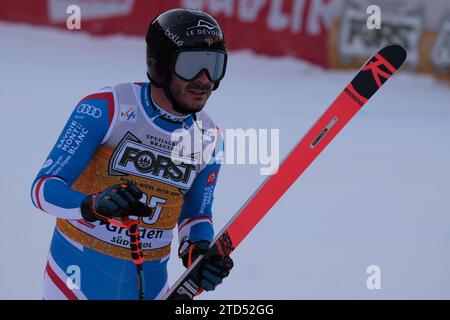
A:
[188,64]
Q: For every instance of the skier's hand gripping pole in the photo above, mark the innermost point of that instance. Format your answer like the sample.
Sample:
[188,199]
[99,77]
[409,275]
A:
[121,201]
[211,269]
[117,201]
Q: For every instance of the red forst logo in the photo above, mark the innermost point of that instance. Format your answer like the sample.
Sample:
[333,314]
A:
[377,73]
[211,178]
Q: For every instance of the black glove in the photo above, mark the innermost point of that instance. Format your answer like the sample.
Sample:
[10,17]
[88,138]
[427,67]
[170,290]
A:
[213,268]
[119,200]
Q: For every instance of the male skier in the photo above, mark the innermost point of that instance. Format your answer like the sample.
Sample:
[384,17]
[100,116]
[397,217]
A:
[116,159]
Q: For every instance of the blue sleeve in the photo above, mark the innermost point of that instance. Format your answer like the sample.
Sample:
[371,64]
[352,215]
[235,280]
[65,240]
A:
[84,131]
[195,222]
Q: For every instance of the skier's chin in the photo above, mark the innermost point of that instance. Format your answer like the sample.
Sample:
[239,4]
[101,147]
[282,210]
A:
[194,109]
[193,105]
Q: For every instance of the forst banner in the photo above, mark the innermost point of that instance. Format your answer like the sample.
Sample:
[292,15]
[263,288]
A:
[297,28]
[423,28]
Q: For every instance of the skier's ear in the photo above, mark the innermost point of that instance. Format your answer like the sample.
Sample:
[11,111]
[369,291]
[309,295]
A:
[155,70]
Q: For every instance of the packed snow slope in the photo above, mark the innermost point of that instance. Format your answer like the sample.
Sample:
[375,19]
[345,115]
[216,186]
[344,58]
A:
[378,195]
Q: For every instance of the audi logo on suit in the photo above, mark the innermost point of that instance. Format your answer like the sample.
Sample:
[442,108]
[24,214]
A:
[89,110]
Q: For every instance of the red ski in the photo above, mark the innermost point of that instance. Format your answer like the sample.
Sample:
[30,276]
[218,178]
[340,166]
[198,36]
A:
[368,80]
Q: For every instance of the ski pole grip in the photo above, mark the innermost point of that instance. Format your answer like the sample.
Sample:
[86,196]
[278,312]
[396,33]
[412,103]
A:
[135,244]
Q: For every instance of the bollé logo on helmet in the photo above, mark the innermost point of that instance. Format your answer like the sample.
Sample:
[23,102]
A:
[174,37]
[134,158]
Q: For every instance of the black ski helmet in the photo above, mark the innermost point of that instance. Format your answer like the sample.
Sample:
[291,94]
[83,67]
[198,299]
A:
[180,30]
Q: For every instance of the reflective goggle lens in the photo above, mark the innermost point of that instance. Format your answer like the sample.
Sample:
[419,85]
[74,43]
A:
[190,63]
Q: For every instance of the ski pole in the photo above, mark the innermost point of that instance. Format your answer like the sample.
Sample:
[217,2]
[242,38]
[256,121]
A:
[136,252]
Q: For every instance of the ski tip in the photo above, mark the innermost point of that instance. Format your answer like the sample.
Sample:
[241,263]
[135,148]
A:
[378,70]
[395,54]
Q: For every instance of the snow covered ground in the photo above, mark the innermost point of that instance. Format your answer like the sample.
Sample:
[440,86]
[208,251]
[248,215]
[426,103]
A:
[378,195]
